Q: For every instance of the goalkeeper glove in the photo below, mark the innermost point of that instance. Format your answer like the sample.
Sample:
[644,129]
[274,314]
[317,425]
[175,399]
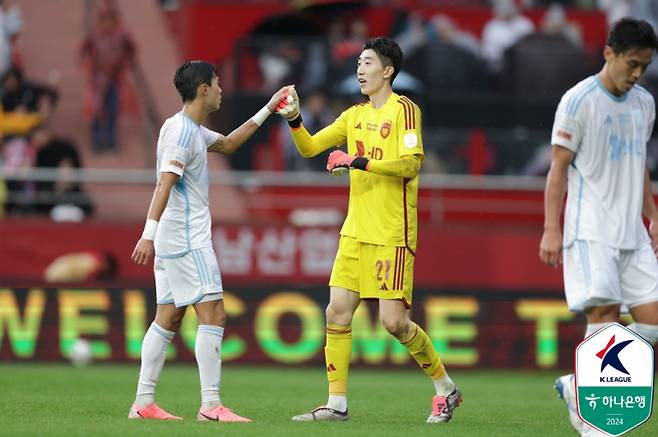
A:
[289,105]
[339,162]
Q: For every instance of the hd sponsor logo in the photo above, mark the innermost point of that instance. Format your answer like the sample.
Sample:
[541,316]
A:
[614,379]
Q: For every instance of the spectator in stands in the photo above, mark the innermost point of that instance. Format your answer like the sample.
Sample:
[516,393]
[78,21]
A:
[345,49]
[316,113]
[542,65]
[615,9]
[19,95]
[23,105]
[18,159]
[450,58]
[10,25]
[503,31]
[278,62]
[555,22]
[413,35]
[108,53]
[63,199]
[444,29]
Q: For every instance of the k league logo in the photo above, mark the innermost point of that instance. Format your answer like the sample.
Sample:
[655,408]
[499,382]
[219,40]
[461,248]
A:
[610,356]
[614,379]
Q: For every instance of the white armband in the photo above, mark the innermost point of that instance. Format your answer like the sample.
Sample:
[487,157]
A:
[260,117]
[149,229]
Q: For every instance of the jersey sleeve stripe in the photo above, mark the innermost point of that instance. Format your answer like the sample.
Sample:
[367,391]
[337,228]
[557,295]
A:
[574,103]
[400,264]
[412,112]
[574,96]
[409,113]
[581,98]
[396,270]
[185,142]
[406,113]
[183,131]
[401,278]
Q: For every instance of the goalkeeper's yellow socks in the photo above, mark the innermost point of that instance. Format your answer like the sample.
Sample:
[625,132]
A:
[338,353]
[421,348]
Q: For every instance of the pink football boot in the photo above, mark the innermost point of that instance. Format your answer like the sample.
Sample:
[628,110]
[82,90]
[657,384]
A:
[151,412]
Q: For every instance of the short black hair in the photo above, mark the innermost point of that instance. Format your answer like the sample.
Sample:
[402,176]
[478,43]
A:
[192,74]
[630,33]
[388,51]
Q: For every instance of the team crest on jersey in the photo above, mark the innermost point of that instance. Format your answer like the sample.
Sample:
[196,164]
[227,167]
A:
[385,130]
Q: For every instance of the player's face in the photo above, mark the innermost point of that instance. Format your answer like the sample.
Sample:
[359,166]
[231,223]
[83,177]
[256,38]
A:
[213,95]
[371,73]
[626,68]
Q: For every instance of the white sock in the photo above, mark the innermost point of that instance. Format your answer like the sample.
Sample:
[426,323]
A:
[207,351]
[444,386]
[649,332]
[154,348]
[593,327]
[338,403]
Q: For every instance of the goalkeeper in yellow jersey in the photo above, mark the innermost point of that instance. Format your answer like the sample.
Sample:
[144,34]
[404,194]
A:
[375,258]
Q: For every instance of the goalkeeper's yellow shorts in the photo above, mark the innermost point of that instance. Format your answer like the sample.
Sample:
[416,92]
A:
[375,272]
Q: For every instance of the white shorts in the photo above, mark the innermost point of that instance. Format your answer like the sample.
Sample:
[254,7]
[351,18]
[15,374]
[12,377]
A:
[188,279]
[596,274]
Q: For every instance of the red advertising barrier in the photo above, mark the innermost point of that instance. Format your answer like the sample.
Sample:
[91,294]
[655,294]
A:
[448,257]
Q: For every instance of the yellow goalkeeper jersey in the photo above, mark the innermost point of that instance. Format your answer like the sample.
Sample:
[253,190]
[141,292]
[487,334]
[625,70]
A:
[382,209]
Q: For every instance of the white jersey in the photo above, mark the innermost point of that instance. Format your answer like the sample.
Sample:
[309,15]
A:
[185,223]
[606,178]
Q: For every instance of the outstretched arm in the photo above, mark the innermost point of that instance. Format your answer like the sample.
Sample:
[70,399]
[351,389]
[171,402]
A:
[227,144]
[550,248]
[144,248]
[312,145]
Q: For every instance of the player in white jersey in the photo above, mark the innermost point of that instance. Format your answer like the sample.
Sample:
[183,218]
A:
[599,139]
[177,232]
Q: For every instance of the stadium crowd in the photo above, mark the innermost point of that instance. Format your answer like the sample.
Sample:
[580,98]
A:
[488,95]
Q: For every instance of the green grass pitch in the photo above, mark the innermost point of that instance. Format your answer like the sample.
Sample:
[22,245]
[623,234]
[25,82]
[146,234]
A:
[58,399]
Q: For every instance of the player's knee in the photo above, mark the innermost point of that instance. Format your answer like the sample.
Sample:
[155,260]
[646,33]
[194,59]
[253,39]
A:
[216,317]
[602,314]
[176,322]
[396,326]
[171,323]
[337,316]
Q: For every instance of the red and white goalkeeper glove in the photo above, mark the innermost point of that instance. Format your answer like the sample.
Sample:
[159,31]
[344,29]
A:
[339,162]
[289,105]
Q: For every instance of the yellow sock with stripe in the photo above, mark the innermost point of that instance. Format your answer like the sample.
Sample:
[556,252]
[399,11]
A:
[421,348]
[338,353]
